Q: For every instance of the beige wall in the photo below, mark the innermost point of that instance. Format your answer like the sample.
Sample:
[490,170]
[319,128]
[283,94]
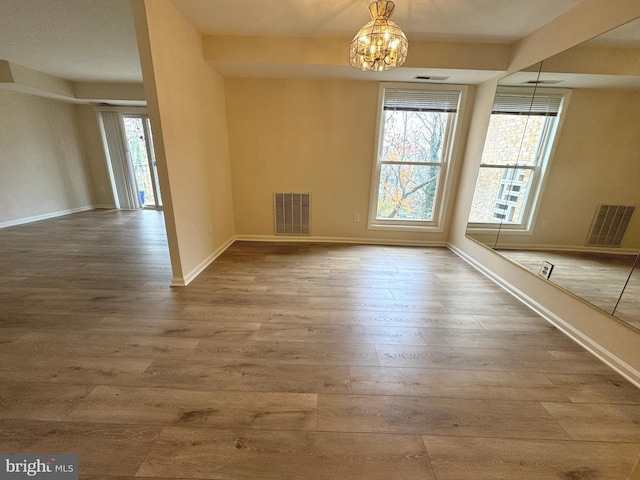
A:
[603,335]
[302,136]
[186,103]
[316,136]
[42,164]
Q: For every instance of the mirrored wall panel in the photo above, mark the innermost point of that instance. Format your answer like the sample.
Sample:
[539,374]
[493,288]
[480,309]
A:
[558,189]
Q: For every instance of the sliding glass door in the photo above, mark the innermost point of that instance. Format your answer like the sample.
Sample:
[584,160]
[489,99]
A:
[140,143]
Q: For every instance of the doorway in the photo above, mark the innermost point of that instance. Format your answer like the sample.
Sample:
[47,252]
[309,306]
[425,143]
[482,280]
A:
[128,145]
[137,130]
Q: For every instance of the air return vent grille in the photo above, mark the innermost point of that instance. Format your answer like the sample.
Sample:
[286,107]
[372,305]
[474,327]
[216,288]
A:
[609,225]
[291,212]
[542,82]
[433,78]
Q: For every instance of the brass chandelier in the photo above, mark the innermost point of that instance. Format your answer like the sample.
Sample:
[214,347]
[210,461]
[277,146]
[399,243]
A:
[380,44]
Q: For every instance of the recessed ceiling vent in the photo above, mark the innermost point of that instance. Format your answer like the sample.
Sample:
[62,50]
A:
[292,213]
[433,78]
[542,82]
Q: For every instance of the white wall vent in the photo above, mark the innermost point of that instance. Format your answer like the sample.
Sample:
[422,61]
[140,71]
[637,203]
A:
[609,225]
[292,213]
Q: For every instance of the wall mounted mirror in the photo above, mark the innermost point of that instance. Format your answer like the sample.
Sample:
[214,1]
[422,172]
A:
[558,190]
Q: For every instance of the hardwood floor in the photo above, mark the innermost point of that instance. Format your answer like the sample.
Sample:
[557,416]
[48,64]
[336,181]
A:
[290,361]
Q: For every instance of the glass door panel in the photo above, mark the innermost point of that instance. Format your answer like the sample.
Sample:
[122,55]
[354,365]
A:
[143,162]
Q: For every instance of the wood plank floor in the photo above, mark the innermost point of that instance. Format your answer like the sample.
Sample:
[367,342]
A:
[290,361]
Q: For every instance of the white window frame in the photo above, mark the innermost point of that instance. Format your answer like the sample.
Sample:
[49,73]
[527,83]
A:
[449,156]
[548,144]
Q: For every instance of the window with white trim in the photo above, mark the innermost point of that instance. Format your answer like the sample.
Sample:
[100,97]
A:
[520,139]
[417,126]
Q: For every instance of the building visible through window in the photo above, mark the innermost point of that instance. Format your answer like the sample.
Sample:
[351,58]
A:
[517,150]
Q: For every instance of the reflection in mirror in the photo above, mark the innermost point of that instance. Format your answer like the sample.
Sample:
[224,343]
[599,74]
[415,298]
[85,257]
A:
[521,136]
[628,307]
[568,188]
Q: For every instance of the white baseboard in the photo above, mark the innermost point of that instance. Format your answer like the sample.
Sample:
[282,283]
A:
[356,241]
[188,278]
[104,206]
[617,364]
[45,216]
[569,248]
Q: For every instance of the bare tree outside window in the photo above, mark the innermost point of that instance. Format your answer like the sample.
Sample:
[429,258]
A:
[415,145]
[411,162]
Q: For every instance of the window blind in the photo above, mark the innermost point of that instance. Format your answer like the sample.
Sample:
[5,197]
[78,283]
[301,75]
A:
[421,100]
[534,103]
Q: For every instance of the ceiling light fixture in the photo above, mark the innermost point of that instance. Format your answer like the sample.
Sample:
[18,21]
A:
[380,44]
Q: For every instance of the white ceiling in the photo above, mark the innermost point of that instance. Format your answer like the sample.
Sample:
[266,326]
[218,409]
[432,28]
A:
[82,40]
[94,40]
[486,20]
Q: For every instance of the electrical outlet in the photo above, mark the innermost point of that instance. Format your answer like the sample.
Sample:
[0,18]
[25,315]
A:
[545,270]
[545,224]
[356,217]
